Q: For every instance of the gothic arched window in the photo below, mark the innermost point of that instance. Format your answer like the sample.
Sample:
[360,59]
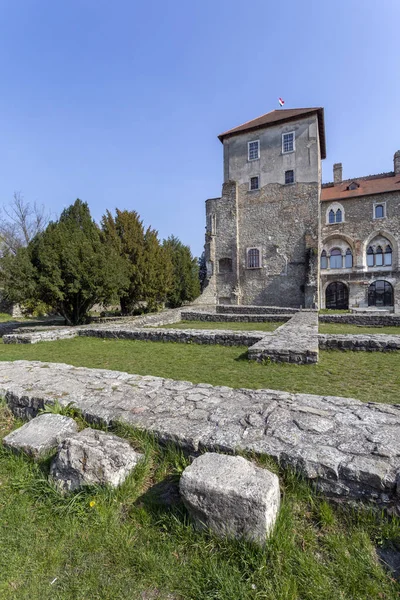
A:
[331,216]
[378,257]
[348,259]
[336,259]
[370,257]
[338,216]
[324,260]
[388,256]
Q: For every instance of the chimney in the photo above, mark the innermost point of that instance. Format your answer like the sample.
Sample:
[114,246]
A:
[337,172]
[396,160]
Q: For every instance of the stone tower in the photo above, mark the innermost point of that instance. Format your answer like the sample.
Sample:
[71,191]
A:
[262,235]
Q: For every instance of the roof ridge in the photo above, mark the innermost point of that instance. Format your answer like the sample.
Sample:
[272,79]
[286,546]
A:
[362,178]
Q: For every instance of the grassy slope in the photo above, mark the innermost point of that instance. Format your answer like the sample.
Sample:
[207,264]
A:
[371,376]
[130,545]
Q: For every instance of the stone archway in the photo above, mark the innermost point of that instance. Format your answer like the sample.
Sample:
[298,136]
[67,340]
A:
[380,293]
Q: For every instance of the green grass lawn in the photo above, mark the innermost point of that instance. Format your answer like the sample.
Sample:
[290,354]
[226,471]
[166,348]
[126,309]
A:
[344,328]
[369,376]
[267,326]
[129,544]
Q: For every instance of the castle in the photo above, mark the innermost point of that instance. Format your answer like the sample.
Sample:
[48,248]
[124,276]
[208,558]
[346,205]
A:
[277,236]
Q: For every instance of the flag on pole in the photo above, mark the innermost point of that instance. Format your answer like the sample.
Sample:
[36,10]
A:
[281,102]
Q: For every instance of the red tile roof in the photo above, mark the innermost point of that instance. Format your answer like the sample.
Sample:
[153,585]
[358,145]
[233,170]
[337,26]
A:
[388,182]
[279,116]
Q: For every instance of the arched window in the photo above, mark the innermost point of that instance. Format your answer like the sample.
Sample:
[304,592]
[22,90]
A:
[380,293]
[336,259]
[388,256]
[370,257]
[379,211]
[331,216]
[338,216]
[348,259]
[324,260]
[378,257]
[253,258]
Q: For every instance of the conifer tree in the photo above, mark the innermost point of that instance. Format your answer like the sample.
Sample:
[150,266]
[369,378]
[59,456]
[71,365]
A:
[67,266]
[186,285]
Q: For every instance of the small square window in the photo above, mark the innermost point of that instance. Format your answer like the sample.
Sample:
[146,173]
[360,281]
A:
[379,211]
[253,258]
[289,177]
[254,183]
[288,142]
[254,150]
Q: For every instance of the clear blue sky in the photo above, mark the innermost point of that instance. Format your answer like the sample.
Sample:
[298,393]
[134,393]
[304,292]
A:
[120,103]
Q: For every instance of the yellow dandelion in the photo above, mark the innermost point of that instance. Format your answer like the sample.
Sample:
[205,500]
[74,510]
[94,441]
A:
[92,503]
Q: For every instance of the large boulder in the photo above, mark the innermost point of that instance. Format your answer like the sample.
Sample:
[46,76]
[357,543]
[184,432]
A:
[42,435]
[93,457]
[231,496]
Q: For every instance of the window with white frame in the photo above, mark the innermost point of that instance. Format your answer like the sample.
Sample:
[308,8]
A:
[379,253]
[289,177]
[253,149]
[288,142]
[335,215]
[253,258]
[254,183]
[379,211]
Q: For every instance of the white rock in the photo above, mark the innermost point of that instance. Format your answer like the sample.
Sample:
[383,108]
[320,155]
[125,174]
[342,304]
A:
[231,496]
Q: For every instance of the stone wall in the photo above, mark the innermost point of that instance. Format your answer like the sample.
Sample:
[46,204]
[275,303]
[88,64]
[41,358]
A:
[293,342]
[187,336]
[348,449]
[254,310]
[368,320]
[233,318]
[359,342]
[357,231]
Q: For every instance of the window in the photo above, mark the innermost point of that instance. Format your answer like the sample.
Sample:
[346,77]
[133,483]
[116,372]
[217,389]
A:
[378,257]
[254,150]
[254,183]
[348,259]
[380,293]
[253,258]
[288,142]
[353,186]
[336,259]
[379,211]
[370,257]
[324,260]
[289,177]
[388,256]
[335,214]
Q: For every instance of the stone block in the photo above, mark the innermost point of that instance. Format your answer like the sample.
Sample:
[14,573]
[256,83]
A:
[93,457]
[231,496]
[41,435]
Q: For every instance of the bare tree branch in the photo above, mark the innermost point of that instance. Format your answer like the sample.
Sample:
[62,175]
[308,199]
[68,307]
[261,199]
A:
[20,221]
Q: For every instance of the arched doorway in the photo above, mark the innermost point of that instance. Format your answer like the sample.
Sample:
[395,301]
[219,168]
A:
[337,296]
[380,293]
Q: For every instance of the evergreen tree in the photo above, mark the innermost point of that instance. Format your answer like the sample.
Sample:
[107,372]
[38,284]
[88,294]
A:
[67,266]
[185,283]
[202,271]
[125,234]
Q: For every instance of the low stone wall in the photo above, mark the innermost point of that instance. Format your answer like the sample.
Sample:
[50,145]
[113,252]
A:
[368,320]
[350,450]
[233,318]
[223,337]
[294,342]
[359,342]
[254,310]
[40,336]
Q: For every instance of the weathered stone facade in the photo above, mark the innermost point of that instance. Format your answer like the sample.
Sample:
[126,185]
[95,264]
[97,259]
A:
[276,236]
